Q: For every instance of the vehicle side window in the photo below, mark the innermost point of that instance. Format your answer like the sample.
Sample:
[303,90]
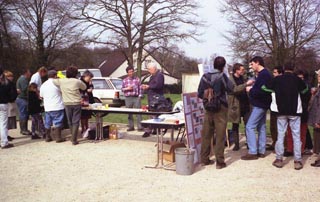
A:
[101,84]
[117,83]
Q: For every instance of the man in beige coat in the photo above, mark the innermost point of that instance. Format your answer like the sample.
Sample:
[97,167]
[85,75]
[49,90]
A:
[71,97]
[238,101]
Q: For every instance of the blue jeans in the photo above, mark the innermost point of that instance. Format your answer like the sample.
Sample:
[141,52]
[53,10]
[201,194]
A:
[54,118]
[282,124]
[23,108]
[257,120]
[4,124]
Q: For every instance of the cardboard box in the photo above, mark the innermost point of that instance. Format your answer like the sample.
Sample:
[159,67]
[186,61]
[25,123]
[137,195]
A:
[168,150]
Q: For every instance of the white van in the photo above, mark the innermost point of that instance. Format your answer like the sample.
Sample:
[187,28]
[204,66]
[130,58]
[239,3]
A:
[95,72]
[107,90]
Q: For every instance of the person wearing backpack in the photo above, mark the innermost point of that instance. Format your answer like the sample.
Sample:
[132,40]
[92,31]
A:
[213,89]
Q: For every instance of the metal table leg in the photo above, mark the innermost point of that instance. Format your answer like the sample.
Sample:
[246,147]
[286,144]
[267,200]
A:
[157,164]
[99,127]
[160,153]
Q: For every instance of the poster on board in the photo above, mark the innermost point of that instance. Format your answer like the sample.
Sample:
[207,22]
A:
[194,118]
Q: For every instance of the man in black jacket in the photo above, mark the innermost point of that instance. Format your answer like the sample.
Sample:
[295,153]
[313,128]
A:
[288,88]
[154,87]
[8,93]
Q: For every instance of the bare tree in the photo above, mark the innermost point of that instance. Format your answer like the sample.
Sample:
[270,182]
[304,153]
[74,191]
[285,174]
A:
[279,29]
[174,60]
[46,25]
[133,25]
[6,47]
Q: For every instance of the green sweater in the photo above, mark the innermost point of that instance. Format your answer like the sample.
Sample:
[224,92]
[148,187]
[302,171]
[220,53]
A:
[70,90]
[22,85]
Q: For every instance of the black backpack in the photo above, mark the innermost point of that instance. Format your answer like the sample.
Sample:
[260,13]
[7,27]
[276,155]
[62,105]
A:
[159,103]
[212,94]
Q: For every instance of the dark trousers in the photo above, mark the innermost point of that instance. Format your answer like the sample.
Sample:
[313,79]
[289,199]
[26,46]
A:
[316,140]
[73,113]
[309,144]
[214,123]
[273,128]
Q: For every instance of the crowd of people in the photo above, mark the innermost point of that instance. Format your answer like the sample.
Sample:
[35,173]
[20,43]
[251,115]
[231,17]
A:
[58,98]
[61,99]
[294,106]
[293,103]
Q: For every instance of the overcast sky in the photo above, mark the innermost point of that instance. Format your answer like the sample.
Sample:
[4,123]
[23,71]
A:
[213,41]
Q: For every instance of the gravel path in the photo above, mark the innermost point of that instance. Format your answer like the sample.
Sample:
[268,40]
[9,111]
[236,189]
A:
[113,170]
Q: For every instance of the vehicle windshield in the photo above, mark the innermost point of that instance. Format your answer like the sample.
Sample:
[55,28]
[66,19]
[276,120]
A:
[96,72]
[117,83]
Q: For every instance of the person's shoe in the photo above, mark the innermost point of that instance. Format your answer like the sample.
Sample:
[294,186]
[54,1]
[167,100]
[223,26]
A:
[7,146]
[60,140]
[35,137]
[74,134]
[316,163]
[140,129]
[154,132]
[57,135]
[210,162]
[278,163]
[298,165]
[25,133]
[270,148]
[75,143]
[248,157]
[48,140]
[261,155]
[10,138]
[146,134]
[130,129]
[307,152]
[287,154]
[236,148]
[221,165]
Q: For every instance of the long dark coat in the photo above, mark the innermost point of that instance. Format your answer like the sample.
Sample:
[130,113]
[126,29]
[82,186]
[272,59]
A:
[234,113]
[314,109]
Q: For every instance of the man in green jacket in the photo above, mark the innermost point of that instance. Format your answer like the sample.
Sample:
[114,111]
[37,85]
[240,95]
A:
[22,101]
[238,101]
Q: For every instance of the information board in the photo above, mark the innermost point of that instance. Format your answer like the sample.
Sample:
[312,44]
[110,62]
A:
[194,118]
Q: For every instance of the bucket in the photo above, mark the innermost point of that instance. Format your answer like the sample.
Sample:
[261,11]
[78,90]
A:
[184,161]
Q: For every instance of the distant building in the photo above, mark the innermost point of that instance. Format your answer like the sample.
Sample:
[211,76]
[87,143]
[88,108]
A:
[115,65]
